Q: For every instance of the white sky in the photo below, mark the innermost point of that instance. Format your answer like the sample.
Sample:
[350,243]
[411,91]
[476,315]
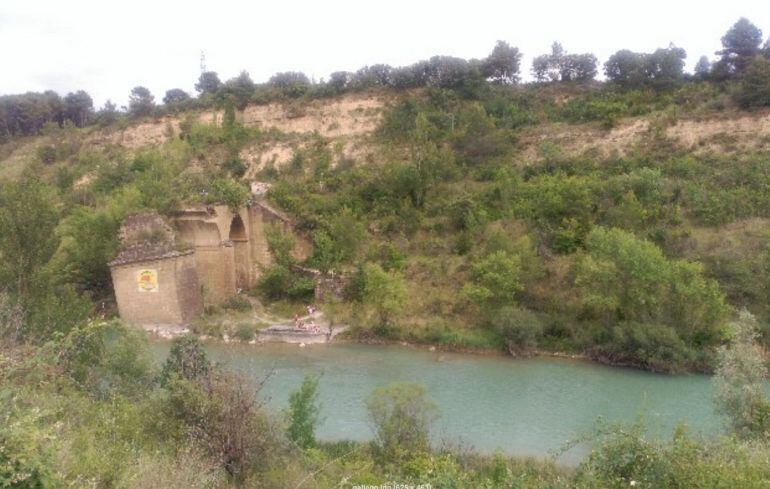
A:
[107,47]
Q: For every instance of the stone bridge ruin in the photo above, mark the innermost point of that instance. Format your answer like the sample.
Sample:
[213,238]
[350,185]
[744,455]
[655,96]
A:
[168,269]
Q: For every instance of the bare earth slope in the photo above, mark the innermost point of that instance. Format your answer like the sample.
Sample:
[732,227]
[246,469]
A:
[346,122]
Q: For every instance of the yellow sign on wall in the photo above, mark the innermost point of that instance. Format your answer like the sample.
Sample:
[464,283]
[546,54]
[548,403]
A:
[147,280]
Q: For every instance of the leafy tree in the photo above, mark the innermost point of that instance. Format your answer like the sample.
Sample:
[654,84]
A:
[702,68]
[241,88]
[495,279]
[740,378]
[290,83]
[560,66]
[208,82]
[186,360]
[28,218]
[88,242]
[140,102]
[401,416]
[502,64]
[175,96]
[520,328]
[625,68]
[754,89]
[28,113]
[107,114]
[372,76]
[625,278]
[339,80]
[651,346]
[223,417]
[739,46]
[78,108]
[384,291]
[660,69]
[304,413]
[449,72]
[665,67]
[281,243]
[338,240]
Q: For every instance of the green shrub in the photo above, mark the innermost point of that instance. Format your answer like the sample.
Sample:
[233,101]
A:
[521,328]
[245,331]
[495,279]
[401,415]
[304,413]
[186,360]
[626,278]
[754,88]
[653,347]
[281,282]
[46,154]
[227,191]
[26,459]
[237,303]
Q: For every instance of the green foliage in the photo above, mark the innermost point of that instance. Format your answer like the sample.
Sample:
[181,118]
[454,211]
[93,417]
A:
[25,457]
[220,415]
[107,359]
[186,360]
[661,69]
[140,102]
[304,413]
[627,456]
[54,309]
[228,192]
[237,303]
[28,217]
[653,347]
[338,241]
[495,279]
[283,282]
[740,45]
[384,291]
[740,378]
[754,90]
[281,243]
[245,331]
[520,328]
[401,416]
[559,66]
[502,64]
[625,278]
[89,240]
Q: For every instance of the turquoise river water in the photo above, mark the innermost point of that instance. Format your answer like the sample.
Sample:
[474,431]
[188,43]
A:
[491,403]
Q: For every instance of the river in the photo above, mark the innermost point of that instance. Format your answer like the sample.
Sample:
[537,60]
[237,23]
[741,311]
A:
[491,403]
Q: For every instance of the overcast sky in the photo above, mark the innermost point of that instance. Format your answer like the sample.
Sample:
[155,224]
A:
[107,47]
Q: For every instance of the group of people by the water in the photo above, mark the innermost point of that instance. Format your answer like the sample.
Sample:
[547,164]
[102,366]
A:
[309,325]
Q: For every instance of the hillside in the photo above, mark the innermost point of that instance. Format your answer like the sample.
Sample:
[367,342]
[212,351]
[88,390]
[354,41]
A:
[482,220]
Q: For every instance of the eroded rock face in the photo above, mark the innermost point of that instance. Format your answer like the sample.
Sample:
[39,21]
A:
[351,115]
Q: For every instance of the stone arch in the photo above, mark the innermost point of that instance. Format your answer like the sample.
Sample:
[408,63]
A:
[240,241]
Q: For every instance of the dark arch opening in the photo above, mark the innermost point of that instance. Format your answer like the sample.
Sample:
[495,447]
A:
[241,244]
[237,229]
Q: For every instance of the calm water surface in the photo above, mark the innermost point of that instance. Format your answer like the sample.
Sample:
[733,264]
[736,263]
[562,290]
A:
[517,406]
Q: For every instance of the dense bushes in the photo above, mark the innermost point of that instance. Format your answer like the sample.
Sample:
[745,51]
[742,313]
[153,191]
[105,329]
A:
[623,278]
